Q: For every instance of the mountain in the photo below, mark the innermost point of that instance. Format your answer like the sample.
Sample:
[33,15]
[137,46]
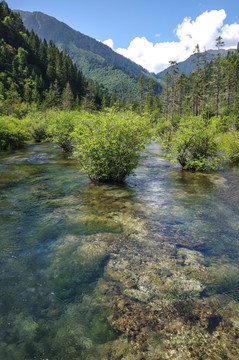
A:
[189,65]
[31,70]
[96,60]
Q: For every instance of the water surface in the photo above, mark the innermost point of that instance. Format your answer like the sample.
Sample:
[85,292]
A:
[144,270]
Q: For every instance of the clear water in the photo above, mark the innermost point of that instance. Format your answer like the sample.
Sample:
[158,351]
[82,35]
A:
[144,270]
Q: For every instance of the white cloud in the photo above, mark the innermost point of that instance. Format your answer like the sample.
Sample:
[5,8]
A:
[230,35]
[109,43]
[153,57]
[203,31]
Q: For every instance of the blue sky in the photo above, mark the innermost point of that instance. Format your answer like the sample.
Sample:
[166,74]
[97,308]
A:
[150,32]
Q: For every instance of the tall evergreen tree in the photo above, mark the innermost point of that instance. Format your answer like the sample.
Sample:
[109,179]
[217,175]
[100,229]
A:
[217,75]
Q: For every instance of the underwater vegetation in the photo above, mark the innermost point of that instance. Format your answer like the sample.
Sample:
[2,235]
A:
[143,270]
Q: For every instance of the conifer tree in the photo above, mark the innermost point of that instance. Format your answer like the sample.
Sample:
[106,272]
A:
[67,98]
[165,95]
[141,91]
[217,75]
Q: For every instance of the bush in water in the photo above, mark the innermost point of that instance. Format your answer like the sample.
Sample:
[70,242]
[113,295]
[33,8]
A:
[229,144]
[194,144]
[12,133]
[60,127]
[108,144]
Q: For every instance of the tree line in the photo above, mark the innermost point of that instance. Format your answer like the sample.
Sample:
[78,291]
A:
[44,97]
[211,89]
[36,72]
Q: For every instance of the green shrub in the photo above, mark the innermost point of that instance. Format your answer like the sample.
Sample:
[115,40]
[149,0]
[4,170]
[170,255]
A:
[194,144]
[60,128]
[37,125]
[163,127]
[107,144]
[229,144]
[12,134]
[222,124]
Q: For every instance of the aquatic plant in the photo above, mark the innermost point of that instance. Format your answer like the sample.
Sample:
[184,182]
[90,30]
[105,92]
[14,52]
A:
[37,125]
[229,144]
[194,144]
[12,134]
[145,270]
[108,144]
[61,125]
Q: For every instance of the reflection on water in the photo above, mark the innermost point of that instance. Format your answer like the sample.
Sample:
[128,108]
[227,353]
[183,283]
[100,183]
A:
[144,270]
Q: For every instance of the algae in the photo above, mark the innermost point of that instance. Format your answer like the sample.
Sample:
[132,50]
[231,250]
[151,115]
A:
[146,270]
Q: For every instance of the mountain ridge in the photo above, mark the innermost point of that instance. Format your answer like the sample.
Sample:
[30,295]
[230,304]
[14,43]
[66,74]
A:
[96,60]
[187,66]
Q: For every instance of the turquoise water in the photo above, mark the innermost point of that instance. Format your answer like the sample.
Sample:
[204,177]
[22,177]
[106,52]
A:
[148,269]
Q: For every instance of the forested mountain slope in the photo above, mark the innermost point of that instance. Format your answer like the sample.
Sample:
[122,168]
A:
[33,71]
[96,60]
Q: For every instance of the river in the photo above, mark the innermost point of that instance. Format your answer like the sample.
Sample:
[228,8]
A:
[148,269]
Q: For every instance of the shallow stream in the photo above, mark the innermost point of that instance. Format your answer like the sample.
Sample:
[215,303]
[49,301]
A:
[144,270]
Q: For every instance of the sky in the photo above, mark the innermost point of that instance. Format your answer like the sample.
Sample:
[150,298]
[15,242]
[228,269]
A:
[149,32]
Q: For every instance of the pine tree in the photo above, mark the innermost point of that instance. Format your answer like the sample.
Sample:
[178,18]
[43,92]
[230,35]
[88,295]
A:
[173,78]
[180,90]
[217,76]
[165,95]
[67,98]
[141,91]
[53,96]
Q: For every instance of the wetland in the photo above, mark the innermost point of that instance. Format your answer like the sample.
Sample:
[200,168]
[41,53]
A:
[147,269]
